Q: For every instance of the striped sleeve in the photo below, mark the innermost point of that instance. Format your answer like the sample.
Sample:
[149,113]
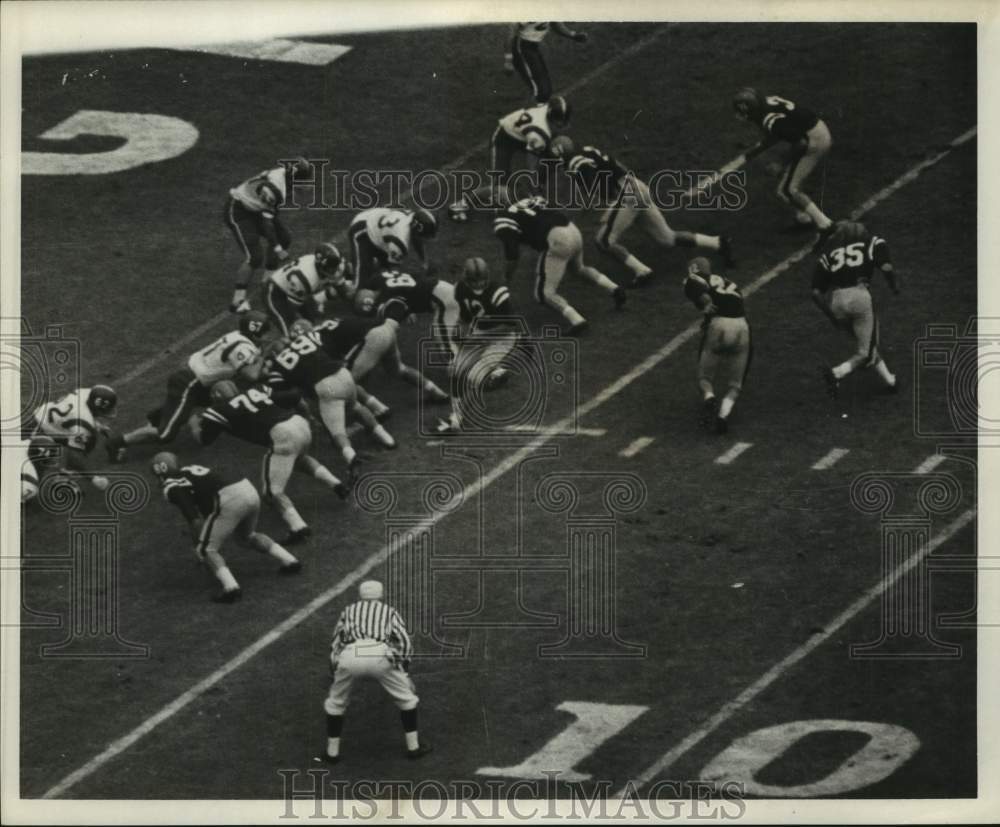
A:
[501,299]
[399,637]
[504,223]
[214,415]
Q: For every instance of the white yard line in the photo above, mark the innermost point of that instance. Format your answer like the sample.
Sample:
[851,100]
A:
[636,446]
[730,455]
[929,464]
[831,459]
[278,49]
[556,430]
[728,710]
[509,463]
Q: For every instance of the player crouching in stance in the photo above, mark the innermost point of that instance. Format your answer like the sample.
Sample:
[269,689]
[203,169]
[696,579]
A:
[559,244]
[630,203]
[299,289]
[252,415]
[234,354]
[62,434]
[215,509]
[726,349]
[781,120]
[844,271]
[371,641]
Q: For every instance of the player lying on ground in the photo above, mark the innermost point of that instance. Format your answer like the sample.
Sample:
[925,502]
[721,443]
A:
[300,288]
[841,289]
[781,120]
[524,54]
[371,641]
[217,508]
[726,348]
[234,354]
[252,416]
[251,213]
[383,237]
[558,241]
[628,202]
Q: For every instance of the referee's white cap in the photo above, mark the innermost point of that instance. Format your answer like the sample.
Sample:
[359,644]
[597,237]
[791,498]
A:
[371,590]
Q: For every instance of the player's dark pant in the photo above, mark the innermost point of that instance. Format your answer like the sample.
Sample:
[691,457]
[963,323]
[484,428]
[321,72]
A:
[503,148]
[367,257]
[530,65]
[247,228]
[184,394]
[284,312]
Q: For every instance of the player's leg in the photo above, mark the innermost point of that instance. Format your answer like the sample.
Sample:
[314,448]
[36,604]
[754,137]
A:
[549,272]
[280,308]
[363,253]
[377,341]
[243,225]
[307,464]
[819,143]
[247,505]
[535,61]
[393,364]
[735,355]
[853,306]
[214,531]
[332,396]
[615,221]
[276,471]
[523,68]
[574,251]
[184,394]
[284,237]
[708,363]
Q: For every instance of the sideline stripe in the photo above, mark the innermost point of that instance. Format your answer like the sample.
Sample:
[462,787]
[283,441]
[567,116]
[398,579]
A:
[638,371]
[732,453]
[831,459]
[636,446]
[153,361]
[279,49]
[929,464]
[664,763]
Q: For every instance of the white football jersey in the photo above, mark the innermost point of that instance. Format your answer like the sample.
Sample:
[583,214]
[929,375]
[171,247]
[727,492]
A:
[529,126]
[532,32]
[298,279]
[224,358]
[263,193]
[389,230]
[69,420]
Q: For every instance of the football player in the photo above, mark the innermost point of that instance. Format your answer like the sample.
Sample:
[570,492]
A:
[253,416]
[809,138]
[533,222]
[62,434]
[315,363]
[300,288]
[726,348]
[251,214]
[215,509]
[383,237]
[841,290]
[526,133]
[524,54]
[234,354]
[629,202]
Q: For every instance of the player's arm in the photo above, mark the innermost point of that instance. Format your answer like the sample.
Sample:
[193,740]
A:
[879,251]
[820,288]
[179,493]
[206,426]
[698,293]
[508,236]
[566,31]
[763,145]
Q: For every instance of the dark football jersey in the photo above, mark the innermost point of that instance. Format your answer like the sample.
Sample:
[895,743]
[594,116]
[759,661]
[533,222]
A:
[785,120]
[527,221]
[418,293]
[302,364]
[725,295]
[250,416]
[481,307]
[339,338]
[845,265]
[194,484]
[596,168]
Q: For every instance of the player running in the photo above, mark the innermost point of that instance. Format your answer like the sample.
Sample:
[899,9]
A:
[217,508]
[253,416]
[629,203]
[384,237]
[841,290]
[300,288]
[524,54]
[558,241]
[726,348]
[251,214]
[234,354]
[781,120]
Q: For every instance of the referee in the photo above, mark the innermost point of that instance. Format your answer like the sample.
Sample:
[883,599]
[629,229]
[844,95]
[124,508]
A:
[524,53]
[371,641]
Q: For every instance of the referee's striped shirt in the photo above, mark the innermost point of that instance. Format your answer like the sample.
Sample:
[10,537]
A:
[372,620]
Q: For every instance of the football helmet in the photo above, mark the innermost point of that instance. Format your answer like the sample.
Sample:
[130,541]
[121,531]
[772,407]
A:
[300,168]
[476,274]
[424,223]
[747,102]
[328,259]
[562,146]
[103,401]
[847,232]
[254,324]
[558,110]
[364,301]
[164,464]
[700,266]
[299,328]
[224,390]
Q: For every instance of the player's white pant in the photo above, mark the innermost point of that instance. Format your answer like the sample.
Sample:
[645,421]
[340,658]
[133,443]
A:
[724,354]
[28,472]
[565,250]
[237,509]
[289,440]
[853,307]
[818,143]
[447,315]
[482,352]
[634,206]
[368,659]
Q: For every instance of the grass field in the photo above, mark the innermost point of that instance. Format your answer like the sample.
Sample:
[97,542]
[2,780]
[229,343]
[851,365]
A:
[725,569]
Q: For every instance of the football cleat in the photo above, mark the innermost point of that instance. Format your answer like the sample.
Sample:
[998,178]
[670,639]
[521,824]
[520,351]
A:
[102,401]
[721,425]
[620,297]
[709,407]
[297,537]
[242,306]
[578,329]
[424,223]
[558,110]
[291,568]
[419,752]
[330,759]
[254,324]
[353,471]
[831,381]
[383,437]
[229,596]
[641,280]
[342,491]
[328,259]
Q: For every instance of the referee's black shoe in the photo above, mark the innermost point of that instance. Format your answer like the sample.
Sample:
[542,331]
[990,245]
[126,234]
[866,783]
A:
[419,752]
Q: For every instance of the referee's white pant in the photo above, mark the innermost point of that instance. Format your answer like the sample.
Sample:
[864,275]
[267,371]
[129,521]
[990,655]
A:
[368,659]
